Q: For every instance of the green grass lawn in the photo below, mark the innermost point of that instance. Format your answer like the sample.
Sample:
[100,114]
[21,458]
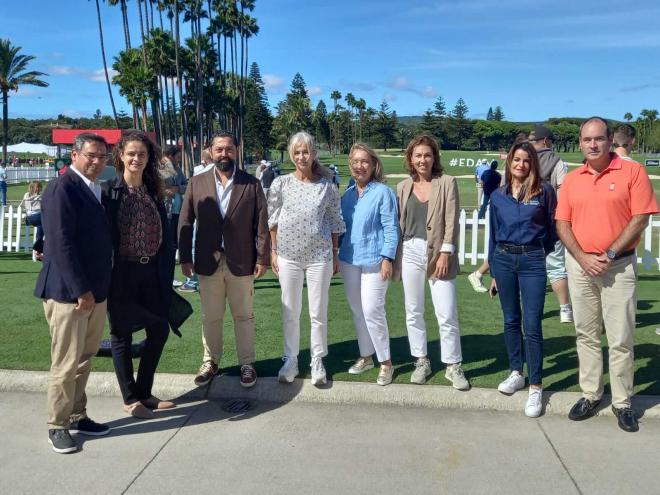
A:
[25,343]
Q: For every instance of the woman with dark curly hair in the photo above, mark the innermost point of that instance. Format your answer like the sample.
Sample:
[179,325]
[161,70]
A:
[142,270]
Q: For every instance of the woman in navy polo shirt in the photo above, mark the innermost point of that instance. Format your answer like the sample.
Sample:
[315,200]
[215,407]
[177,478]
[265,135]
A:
[522,231]
[365,256]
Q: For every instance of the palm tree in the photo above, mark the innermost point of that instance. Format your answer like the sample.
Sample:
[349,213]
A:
[105,64]
[13,75]
[628,116]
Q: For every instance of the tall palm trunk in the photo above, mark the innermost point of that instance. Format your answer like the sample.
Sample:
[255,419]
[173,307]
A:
[5,125]
[105,65]
[186,151]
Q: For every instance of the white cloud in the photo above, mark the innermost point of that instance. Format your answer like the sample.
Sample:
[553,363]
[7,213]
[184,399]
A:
[272,83]
[63,70]
[429,92]
[400,83]
[389,97]
[25,91]
[314,90]
[99,75]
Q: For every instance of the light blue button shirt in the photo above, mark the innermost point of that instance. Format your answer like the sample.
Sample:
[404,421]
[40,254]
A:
[372,225]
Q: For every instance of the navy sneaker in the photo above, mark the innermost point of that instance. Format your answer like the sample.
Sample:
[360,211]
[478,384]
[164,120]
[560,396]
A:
[62,441]
[87,426]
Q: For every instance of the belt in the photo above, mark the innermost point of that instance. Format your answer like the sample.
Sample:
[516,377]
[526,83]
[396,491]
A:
[143,260]
[518,248]
[623,254]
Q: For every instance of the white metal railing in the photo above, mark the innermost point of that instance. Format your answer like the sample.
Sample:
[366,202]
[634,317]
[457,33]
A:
[16,175]
[472,243]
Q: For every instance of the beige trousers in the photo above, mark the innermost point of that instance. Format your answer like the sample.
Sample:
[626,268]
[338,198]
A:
[75,338]
[214,290]
[609,299]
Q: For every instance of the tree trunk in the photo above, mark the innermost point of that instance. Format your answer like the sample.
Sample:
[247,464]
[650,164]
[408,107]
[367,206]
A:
[105,65]
[185,151]
[5,125]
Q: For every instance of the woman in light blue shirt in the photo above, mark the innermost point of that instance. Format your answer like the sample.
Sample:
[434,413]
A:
[367,250]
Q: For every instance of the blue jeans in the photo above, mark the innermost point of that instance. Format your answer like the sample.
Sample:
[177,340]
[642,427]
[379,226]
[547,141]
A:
[35,221]
[522,275]
[3,192]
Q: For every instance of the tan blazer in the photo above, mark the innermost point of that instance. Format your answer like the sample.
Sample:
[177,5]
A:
[244,228]
[441,222]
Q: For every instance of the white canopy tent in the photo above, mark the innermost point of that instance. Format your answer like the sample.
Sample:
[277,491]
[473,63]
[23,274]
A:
[32,148]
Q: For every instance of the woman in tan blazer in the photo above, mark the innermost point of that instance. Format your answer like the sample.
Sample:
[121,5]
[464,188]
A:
[428,217]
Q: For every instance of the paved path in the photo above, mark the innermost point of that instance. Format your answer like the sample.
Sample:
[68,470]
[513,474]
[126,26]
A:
[298,447]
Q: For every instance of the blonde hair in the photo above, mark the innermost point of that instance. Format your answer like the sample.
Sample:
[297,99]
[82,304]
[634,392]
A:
[378,175]
[34,188]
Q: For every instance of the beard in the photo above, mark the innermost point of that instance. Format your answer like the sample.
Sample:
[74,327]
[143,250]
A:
[225,165]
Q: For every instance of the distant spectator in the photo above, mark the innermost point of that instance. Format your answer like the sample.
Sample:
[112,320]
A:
[3,185]
[267,177]
[624,140]
[478,173]
[32,203]
[260,169]
[490,180]
[175,186]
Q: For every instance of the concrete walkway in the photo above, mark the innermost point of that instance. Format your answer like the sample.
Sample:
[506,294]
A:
[344,438]
[296,447]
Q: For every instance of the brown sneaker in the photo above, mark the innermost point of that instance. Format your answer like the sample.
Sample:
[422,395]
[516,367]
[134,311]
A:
[207,371]
[248,376]
[155,403]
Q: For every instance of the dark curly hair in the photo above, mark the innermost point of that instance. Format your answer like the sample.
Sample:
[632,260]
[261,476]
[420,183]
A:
[150,176]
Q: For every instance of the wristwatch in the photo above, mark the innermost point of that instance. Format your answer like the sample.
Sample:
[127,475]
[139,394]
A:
[611,255]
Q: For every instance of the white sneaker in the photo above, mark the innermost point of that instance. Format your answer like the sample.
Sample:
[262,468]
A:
[318,372]
[534,403]
[454,373]
[566,314]
[514,382]
[385,375]
[289,370]
[361,365]
[422,371]
[475,281]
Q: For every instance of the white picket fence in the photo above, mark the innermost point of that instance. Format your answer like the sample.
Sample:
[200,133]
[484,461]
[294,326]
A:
[472,244]
[14,234]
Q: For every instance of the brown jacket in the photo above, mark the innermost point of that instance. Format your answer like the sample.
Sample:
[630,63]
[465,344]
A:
[442,225]
[244,227]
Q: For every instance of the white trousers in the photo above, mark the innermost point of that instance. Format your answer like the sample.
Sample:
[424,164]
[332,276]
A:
[366,292]
[443,295]
[292,276]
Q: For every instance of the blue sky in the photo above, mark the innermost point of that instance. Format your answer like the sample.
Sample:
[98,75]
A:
[537,59]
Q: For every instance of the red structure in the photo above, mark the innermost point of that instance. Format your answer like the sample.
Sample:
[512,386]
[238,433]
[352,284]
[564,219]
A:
[112,136]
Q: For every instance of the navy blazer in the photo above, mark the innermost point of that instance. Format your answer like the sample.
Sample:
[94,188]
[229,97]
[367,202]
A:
[78,246]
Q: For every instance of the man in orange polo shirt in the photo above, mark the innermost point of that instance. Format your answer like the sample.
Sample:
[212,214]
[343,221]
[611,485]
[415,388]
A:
[603,208]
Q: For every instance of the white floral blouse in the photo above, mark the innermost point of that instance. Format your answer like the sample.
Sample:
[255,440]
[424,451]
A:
[306,215]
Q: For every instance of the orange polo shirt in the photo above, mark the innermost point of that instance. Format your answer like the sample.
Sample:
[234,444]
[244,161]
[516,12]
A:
[600,206]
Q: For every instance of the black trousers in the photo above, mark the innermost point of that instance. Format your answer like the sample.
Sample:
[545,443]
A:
[135,298]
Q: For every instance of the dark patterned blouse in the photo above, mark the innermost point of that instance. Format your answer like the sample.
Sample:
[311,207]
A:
[140,231]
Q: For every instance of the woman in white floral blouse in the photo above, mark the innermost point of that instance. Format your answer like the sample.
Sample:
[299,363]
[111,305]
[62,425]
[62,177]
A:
[305,222]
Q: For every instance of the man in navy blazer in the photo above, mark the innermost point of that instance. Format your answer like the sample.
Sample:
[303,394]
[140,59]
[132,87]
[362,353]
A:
[73,284]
